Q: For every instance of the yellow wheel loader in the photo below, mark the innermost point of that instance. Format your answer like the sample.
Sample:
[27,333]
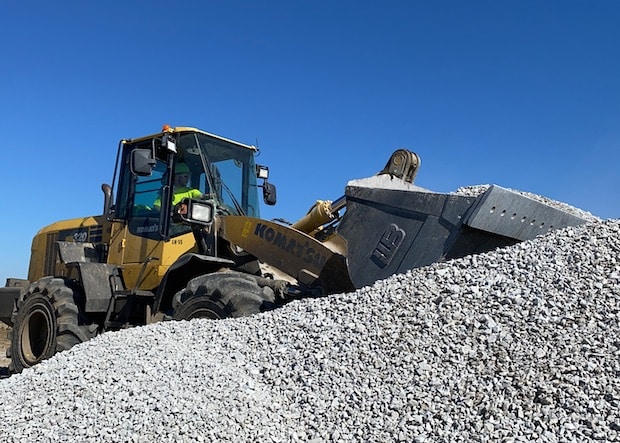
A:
[181,237]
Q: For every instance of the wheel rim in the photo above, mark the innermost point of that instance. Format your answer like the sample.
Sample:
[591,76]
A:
[36,335]
[203,313]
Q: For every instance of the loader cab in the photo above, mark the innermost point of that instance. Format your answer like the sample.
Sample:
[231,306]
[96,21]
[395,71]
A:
[155,173]
[183,163]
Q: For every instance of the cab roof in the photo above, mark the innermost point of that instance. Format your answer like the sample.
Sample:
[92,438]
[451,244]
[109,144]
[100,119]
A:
[178,129]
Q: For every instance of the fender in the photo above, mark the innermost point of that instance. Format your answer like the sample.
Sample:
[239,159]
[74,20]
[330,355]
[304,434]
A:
[182,271]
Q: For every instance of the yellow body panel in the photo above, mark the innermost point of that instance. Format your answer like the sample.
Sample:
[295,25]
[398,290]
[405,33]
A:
[125,249]
[132,252]
[43,255]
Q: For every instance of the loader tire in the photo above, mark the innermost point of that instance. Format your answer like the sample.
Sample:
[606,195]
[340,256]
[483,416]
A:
[46,320]
[222,295]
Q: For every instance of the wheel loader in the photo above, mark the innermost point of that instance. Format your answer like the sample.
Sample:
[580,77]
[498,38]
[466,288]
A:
[181,237]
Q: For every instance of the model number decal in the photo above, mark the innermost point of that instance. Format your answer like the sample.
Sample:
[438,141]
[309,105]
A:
[80,236]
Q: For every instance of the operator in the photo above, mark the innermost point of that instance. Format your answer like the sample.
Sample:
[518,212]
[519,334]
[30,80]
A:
[180,190]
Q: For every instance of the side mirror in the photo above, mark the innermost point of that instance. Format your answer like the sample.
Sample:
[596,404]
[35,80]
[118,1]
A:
[269,193]
[142,162]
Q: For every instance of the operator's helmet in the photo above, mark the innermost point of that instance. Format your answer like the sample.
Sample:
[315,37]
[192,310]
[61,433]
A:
[181,168]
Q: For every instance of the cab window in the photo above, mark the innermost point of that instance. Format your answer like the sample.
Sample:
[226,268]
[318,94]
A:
[147,190]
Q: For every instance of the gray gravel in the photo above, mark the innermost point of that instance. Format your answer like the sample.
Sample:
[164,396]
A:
[521,344]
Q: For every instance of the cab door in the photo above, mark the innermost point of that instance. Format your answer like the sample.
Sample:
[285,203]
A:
[136,242]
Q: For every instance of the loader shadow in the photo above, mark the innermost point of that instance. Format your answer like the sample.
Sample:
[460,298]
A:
[4,344]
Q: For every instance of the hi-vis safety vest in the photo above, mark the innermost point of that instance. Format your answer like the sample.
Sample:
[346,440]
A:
[180,194]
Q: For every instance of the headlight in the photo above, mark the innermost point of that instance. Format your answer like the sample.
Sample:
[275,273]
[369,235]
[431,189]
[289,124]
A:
[201,212]
[262,172]
[193,212]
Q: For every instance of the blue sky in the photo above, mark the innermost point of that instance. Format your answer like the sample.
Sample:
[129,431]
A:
[524,94]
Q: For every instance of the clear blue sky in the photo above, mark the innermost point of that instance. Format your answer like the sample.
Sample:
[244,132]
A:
[524,94]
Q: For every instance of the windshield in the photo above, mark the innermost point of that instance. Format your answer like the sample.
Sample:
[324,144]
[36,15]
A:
[220,170]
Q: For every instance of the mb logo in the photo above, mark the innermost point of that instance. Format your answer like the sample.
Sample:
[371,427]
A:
[391,239]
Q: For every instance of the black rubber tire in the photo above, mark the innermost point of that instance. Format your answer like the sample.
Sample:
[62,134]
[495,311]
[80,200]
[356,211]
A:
[222,295]
[45,320]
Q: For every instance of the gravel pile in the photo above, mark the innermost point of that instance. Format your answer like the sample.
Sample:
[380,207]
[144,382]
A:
[521,344]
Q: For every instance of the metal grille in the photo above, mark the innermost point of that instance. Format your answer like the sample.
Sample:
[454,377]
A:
[95,234]
[51,254]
